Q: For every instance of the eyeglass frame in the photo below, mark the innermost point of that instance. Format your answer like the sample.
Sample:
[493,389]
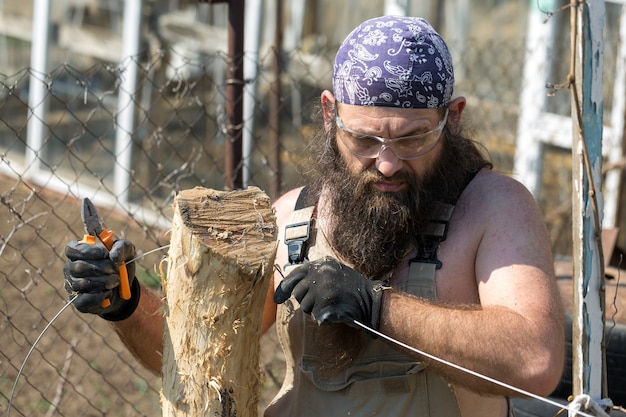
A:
[386,143]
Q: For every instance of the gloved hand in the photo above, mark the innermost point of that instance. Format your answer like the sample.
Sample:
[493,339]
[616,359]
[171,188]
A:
[333,293]
[92,272]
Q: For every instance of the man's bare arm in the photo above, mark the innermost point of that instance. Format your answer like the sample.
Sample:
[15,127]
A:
[511,329]
[494,341]
[142,332]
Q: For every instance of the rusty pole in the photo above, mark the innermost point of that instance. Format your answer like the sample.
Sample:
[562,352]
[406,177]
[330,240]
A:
[234,96]
[275,105]
[233,175]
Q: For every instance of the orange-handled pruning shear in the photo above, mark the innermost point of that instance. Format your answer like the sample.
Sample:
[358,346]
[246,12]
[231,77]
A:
[94,230]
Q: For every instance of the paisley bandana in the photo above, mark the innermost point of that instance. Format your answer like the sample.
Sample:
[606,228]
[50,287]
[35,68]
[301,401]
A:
[394,61]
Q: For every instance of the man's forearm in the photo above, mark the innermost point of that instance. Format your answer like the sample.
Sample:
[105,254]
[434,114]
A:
[494,341]
[142,332]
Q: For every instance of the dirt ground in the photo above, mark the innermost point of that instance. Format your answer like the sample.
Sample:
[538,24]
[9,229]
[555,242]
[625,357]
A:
[80,367]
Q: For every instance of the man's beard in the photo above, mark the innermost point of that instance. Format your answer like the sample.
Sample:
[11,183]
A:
[370,229]
[374,230]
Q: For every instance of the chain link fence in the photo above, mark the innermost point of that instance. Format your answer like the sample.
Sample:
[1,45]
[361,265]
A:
[79,366]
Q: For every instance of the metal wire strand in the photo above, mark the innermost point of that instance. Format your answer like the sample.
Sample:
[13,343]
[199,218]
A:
[470,372]
[19,373]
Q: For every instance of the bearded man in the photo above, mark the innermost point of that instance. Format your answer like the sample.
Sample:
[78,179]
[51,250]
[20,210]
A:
[412,234]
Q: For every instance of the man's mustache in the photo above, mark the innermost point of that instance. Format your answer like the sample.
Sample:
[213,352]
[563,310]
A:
[373,176]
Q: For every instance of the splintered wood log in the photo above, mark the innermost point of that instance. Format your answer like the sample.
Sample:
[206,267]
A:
[221,256]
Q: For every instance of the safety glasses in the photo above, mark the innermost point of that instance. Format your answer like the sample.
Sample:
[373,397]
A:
[406,147]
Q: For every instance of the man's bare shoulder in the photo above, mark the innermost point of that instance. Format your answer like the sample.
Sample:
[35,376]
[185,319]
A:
[285,204]
[494,204]
[491,190]
[506,223]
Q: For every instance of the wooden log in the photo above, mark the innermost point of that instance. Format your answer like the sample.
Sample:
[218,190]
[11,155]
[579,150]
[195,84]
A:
[220,262]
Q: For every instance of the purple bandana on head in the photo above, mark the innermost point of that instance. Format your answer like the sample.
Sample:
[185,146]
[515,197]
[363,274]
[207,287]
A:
[394,61]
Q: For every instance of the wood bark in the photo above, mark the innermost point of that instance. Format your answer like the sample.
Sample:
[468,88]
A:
[220,263]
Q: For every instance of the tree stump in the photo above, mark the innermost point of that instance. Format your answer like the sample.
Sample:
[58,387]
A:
[220,262]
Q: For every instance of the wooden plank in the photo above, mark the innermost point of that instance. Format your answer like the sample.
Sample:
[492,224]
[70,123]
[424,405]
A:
[92,41]
[177,27]
[220,264]
[528,163]
[614,141]
[18,27]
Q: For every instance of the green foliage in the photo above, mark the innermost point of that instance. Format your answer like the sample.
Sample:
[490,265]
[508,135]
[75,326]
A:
[95,366]
[141,385]
[150,278]
[39,405]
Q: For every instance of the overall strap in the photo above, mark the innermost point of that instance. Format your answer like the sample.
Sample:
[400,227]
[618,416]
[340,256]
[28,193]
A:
[423,266]
[298,230]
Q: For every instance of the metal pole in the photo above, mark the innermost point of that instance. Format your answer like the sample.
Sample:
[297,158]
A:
[254,17]
[293,42]
[234,95]
[37,98]
[125,99]
[396,7]
[275,104]
[588,361]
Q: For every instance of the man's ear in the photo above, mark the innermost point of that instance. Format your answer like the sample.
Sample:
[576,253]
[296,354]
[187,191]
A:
[455,109]
[328,109]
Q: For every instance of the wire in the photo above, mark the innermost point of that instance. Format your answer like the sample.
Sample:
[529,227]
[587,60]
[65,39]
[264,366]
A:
[19,373]
[146,254]
[469,371]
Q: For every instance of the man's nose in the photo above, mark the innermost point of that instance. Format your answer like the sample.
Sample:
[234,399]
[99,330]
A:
[387,163]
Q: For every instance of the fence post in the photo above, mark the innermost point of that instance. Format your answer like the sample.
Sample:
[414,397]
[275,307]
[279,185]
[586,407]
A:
[252,43]
[220,264]
[125,119]
[38,95]
[233,167]
[234,95]
[275,104]
[588,361]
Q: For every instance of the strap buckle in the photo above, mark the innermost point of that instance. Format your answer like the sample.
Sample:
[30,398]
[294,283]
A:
[296,235]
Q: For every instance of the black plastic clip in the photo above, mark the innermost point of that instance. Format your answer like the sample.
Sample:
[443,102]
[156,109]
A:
[295,246]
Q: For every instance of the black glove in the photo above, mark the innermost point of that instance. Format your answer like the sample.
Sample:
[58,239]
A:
[92,272]
[333,293]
